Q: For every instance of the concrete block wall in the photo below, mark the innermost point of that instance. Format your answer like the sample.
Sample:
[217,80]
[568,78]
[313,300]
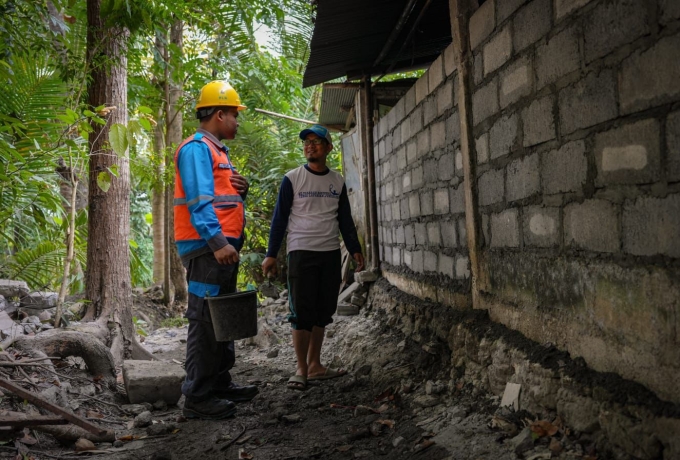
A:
[421,199]
[576,113]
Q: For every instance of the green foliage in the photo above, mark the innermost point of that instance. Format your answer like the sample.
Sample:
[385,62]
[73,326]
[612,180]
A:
[140,326]
[177,321]
[44,123]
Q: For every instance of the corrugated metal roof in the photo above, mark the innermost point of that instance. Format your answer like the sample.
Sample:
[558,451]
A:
[349,35]
[334,104]
[336,101]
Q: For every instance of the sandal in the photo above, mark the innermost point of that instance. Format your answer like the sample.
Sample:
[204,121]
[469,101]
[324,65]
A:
[297,382]
[329,374]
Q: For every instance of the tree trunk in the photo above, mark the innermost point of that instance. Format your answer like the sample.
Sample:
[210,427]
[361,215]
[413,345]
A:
[158,207]
[173,139]
[108,285]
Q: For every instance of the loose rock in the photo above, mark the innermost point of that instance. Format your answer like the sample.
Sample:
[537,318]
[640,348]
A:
[273,353]
[83,445]
[157,429]
[143,420]
[160,405]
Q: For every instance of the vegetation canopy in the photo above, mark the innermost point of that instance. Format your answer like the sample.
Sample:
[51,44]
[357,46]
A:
[47,125]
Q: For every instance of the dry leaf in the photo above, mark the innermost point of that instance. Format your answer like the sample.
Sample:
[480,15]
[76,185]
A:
[383,408]
[388,423]
[243,455]
[93,414]
[28,440]
[344,448]
[543,428]
[128,437]
[105,110]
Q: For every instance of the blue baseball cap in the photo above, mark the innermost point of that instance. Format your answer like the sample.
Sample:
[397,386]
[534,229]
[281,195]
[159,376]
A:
[319,130]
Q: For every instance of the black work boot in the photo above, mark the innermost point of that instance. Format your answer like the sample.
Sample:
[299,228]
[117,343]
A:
[210,409]
[237,393]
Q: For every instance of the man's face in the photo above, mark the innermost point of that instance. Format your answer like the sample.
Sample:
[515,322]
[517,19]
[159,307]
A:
[316,148]
[227,122]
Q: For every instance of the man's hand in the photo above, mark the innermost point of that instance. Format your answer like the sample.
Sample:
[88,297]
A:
[239,182]
[359,259]
[226,255]
[269,267]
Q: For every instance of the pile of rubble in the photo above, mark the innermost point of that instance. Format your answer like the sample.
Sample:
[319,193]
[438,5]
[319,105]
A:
[355,295]
[23,311]
[351,299]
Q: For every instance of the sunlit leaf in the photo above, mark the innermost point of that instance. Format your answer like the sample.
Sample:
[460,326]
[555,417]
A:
[118,139]
[104,181]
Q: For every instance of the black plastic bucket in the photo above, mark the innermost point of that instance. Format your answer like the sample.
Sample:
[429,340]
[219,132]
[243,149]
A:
[234,316]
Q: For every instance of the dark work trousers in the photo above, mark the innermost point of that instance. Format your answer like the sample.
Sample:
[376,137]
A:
[208,361]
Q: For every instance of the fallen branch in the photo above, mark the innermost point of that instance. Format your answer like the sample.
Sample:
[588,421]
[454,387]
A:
[20,420]
[226,446]
[40,402]
[71,433]
[26,361]
[16,449]
[103,402]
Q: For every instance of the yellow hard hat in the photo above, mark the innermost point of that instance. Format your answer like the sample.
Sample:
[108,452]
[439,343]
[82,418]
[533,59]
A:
[218,93]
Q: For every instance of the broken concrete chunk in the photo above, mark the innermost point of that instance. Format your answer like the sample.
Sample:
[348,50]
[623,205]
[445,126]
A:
[366,276]
[426,400]
[358,300]
[268,289]
[511,395]
[5,321]
[13,331]
[347,309]
[11,288]
[523,441]
[347,293]
[149,381]
[10,307]
[40,299]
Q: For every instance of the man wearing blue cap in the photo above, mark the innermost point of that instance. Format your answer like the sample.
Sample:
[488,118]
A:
[313,206]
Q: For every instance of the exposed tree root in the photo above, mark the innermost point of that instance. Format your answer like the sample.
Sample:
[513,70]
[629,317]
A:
[62,343]
[137,351]
[71,433]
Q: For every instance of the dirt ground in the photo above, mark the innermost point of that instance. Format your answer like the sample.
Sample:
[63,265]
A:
[393,404]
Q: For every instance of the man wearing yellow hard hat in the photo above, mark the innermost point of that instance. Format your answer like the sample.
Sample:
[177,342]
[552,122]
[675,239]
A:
[209,223]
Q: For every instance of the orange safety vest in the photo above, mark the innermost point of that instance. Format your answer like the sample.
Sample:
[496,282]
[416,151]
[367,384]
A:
[227,202]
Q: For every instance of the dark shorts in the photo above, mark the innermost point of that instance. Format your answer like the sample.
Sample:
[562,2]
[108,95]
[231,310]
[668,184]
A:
[313,285]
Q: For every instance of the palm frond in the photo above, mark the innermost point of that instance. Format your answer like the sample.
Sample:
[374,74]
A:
[38,266]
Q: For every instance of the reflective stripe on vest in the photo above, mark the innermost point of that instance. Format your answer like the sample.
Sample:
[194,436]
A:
[227,203]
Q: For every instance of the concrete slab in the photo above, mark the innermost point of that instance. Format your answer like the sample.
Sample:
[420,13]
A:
[11,288]
[149,381]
